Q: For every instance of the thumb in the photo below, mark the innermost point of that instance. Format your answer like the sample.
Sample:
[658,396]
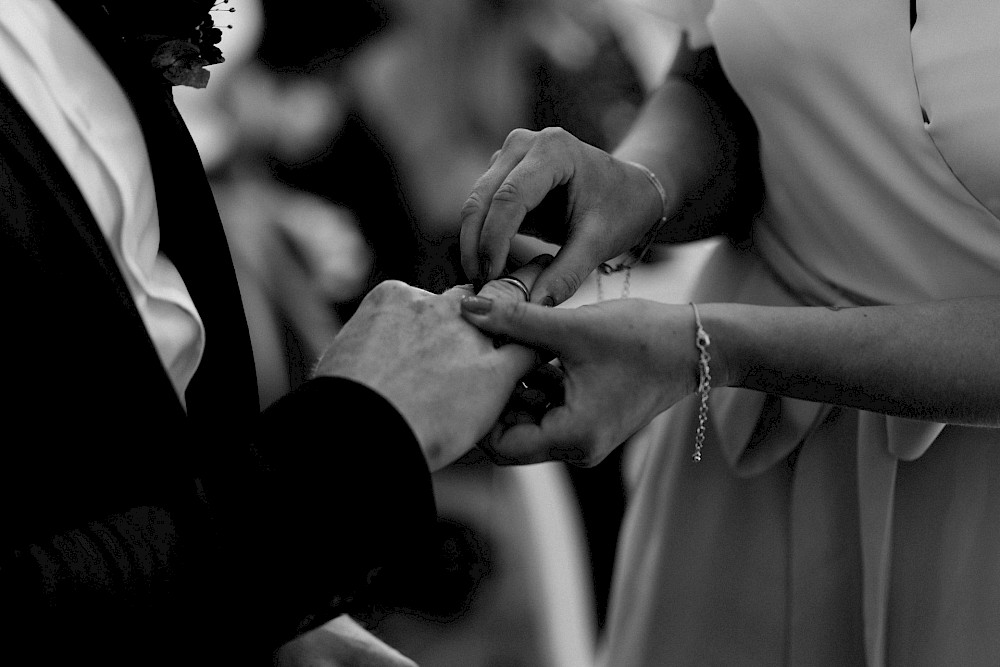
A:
[563,277]
[516,321]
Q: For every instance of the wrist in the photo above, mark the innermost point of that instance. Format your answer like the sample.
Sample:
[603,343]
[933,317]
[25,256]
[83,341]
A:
[722,322]
[655,210]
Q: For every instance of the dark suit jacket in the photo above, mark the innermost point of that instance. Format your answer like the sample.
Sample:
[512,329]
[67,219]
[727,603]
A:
[136,533]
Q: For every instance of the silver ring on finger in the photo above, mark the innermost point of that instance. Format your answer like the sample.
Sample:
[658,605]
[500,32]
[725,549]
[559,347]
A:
[516,282]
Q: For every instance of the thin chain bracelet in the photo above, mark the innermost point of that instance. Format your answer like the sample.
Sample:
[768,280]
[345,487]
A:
[702,341]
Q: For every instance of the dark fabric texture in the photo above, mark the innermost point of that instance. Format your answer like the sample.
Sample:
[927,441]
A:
[135,533]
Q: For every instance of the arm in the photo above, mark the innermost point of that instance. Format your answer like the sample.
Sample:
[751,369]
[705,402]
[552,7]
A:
[934,361]
[696,135]
[339,486]
[409,386]
[289,528]
[276,538]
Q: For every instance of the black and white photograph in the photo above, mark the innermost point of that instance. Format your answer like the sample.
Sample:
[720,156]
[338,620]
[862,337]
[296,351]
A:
[500,333]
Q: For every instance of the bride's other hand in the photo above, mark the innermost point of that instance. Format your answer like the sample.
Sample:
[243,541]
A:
[623,362]
[553,186]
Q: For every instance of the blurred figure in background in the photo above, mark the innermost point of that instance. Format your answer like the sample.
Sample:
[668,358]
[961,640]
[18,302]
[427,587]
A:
[299,249]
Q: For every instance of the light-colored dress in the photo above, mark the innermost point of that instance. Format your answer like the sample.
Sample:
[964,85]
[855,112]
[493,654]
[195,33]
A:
[812,534]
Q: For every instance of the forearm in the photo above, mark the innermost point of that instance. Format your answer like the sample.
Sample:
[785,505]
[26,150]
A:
[697,137]
[336,488]
[937,361]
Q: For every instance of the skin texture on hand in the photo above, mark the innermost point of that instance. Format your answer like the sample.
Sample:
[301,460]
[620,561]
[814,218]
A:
[552,185]
[693,133]
[622,361]
[445,377]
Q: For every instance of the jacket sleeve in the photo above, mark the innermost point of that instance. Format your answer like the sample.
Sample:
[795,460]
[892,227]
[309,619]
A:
[337,490]
[275,538]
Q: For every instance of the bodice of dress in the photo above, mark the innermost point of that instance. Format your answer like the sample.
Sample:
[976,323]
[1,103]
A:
[879,145]
[879,150]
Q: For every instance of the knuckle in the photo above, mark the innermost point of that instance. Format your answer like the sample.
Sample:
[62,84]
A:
[386,290]
[552,132]
[389,292]
[554,136]
[472,206]
[394,287]
[517,136]
[508,192]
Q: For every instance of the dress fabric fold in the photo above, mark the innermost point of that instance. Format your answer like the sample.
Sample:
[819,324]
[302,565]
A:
[810,533]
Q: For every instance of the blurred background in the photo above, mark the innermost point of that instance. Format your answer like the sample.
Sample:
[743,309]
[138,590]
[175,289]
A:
[341,140]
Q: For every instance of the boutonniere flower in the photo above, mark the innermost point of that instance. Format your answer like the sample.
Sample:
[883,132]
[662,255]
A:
[177,38]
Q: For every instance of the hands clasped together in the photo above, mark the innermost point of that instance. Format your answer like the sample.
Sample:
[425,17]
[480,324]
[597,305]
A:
[617,364]
[565,384]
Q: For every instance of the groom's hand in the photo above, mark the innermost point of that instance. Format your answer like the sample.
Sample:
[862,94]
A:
[445,377]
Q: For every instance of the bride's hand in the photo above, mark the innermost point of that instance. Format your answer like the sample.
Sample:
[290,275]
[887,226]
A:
[551,185]
[623,362]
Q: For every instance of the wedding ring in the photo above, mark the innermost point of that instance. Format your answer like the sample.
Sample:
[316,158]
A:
[516,282]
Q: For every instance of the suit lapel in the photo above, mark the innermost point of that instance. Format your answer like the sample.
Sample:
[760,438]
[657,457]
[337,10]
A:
[22,136]
[47,217]
[191,234]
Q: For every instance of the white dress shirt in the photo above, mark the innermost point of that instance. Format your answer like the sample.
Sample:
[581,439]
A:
[78,105]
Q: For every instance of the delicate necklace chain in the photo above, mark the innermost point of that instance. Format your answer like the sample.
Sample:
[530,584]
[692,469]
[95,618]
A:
[637,253]
[607,269]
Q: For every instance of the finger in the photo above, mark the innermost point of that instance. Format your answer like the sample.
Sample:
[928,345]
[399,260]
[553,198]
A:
[500,290]
[477,205]
[566,273]
[465,289]
[523,189]
[524,248]
[548,329]
[527,273]
[538,391]
[501,453]
[556,438]
[511,416]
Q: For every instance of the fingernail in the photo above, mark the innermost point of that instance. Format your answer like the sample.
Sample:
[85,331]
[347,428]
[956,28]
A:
[484,268]
[548,301]
[478,305]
